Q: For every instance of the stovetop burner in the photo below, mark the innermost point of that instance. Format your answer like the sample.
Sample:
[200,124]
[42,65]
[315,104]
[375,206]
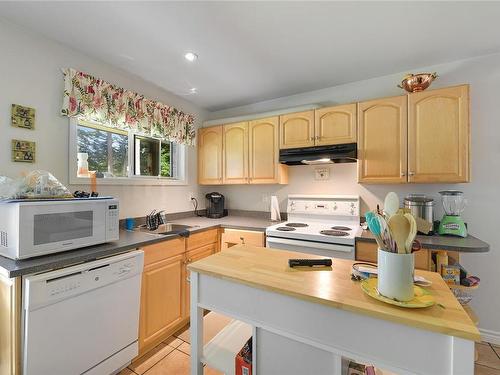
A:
[341,228]
[285,229]
[335,233]
[297,225]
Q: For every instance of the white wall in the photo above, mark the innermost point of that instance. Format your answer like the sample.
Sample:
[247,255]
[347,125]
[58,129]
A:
[483,194]
[30,67]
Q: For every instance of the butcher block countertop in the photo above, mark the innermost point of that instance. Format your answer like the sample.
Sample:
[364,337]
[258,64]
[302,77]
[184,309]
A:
[268,270]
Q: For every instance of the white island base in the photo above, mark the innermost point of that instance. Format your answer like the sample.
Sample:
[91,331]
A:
[299,336]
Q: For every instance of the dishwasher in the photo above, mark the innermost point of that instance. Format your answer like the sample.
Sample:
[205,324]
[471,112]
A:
[82,319]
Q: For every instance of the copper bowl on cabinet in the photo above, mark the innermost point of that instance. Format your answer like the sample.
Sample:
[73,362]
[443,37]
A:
[417,82]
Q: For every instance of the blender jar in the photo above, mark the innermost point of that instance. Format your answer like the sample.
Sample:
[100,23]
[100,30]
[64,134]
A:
[453,202]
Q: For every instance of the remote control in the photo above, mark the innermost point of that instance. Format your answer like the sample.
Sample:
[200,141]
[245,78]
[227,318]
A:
[309,262]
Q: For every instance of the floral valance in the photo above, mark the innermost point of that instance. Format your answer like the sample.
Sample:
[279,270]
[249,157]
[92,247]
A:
[97,100]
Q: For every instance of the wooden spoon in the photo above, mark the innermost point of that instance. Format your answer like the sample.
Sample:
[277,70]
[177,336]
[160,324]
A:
[412,234]
[400,229]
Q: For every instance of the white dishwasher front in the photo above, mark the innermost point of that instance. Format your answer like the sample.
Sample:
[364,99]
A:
[83,319]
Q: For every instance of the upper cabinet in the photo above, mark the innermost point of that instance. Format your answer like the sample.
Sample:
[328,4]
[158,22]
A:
[235,153]
[335,125]
[241,153]
[429,144]
[210,155]
[438,135]
[264,166]
[297,130]
[382,140]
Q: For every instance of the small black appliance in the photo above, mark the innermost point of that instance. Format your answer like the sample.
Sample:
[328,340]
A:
[215,205]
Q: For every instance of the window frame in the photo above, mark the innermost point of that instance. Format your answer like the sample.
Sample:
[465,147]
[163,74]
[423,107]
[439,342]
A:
[131,179]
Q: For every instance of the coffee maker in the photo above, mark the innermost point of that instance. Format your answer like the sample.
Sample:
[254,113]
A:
[215,205]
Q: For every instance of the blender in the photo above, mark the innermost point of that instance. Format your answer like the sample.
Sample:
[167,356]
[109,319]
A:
[453,204]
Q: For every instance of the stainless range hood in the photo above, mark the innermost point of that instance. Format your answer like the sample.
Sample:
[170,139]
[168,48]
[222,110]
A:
[344,153]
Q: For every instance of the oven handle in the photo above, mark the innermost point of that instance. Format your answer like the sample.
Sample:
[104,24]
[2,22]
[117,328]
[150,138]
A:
[310,244]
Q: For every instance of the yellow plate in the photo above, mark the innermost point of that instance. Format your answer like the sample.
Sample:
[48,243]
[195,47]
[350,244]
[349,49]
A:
[422,297]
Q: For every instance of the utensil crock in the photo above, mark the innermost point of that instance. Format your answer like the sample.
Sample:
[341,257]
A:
[395,275]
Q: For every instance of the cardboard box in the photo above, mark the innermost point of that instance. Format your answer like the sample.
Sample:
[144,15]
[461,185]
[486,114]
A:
[243,360]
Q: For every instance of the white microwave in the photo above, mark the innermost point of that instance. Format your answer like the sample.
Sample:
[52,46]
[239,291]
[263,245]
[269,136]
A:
[32,228]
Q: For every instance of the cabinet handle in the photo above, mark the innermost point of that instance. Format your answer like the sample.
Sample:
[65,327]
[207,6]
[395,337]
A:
[403,174]
[318,137]
[242,239]
[411,173]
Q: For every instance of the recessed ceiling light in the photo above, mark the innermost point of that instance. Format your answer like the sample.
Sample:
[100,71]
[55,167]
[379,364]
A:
[193,90]
[190,56]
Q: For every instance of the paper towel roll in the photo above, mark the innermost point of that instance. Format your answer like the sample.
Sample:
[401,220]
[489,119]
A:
[275,209]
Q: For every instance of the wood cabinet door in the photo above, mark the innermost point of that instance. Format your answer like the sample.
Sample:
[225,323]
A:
[193,256]
[233,237]
[235,153]
[297,129]
[382,142]
[210,155]
[161,300]
[264,151]
[335,125]
[439,135]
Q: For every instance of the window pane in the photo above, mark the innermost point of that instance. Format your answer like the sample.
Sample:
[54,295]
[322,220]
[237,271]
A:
[166,159]
[107,151]
[119,146]
[147,158]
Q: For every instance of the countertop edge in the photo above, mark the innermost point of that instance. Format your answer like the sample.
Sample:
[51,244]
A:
[476,336]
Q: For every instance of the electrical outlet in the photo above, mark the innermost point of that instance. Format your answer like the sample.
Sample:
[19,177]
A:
[191,196]
[322,173]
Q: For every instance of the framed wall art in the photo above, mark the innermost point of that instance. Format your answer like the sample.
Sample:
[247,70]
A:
[23,151]
[23,117]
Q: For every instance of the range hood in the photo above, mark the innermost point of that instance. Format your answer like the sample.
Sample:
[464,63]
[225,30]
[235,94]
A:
[345,153]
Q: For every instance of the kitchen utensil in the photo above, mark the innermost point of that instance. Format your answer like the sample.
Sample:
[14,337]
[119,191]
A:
[412,234]
[453,204]
[391,204]
[400,229]
[421,207]
[422,298]
[375,228]
[417,82]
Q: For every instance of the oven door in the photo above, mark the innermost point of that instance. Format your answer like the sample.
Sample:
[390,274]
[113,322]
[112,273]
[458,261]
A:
[49,227]
[310,247]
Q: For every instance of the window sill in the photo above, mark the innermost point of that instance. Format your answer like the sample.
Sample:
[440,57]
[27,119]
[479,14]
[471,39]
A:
[132,181]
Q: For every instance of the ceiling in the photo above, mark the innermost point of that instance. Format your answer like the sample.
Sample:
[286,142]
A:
[254,51]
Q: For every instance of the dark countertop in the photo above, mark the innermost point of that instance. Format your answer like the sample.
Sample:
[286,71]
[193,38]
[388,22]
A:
[130,240]
[469,244]
[231,222]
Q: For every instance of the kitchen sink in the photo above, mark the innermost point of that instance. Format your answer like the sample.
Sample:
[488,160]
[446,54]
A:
[166,229]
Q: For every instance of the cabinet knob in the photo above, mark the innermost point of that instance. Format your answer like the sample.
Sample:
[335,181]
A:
[411,173]
[403,174]
[312,139]
[242,239]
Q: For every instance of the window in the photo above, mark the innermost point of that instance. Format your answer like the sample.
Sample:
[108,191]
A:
[115,154]
[153,157]
[107,150]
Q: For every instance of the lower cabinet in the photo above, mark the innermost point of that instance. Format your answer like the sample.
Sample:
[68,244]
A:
[165,285]
[193,256]
[161,292]
[232,237]
[367,252]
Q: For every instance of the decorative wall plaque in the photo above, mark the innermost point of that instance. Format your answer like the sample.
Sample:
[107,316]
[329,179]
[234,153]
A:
[23,151]
[23,117]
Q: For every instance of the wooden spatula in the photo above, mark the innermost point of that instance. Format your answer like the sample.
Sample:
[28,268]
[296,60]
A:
[400,229]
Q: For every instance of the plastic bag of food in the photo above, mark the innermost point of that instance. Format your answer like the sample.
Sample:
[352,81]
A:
[8,187]
[36,185]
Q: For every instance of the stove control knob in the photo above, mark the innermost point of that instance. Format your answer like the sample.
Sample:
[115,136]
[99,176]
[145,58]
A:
[335,207]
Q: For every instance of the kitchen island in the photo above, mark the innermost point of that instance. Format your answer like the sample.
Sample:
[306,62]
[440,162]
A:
[307,322]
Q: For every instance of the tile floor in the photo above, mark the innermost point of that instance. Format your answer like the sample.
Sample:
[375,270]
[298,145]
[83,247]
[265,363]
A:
[171,357]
